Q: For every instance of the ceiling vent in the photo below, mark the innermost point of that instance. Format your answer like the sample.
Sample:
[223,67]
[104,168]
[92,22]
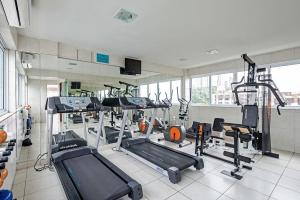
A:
[17,12]
[125,16]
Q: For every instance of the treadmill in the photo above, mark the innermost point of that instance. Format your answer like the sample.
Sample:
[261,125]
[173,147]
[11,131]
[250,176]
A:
[109,134]
[66,139]
[165,160]
[83,172]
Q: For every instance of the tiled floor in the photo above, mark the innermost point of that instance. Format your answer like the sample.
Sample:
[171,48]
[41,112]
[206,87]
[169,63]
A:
[274,179]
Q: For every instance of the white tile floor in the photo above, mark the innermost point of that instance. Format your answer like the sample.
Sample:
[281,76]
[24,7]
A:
[274,179]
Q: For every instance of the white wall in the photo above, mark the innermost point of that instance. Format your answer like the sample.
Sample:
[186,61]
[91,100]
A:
[37,95]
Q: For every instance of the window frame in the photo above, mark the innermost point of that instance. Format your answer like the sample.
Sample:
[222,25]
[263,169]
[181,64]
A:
[4,110]
[279,65]
[209,89]
[235,71]
[234,77]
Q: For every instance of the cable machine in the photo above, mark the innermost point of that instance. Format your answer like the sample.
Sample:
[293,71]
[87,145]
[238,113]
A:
[256,89]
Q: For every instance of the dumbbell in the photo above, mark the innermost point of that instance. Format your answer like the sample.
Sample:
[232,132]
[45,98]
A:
[9,144]
[3,170]
[3,135]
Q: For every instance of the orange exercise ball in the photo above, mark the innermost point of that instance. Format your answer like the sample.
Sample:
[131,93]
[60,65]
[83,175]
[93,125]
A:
[3,135]
[4,174]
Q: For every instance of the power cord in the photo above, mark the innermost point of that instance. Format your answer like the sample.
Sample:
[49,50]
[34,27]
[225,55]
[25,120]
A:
[38,161]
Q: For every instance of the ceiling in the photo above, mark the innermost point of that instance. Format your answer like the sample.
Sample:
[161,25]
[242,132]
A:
[170,32]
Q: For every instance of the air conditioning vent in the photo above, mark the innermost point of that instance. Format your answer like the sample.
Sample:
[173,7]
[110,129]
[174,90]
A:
[125,16]
[17,12]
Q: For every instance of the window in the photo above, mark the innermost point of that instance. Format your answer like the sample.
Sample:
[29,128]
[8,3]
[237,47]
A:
[240,75]
[143,90]
[2,105]
[21,90]
[187,89]
[102,95]
[200,90]
[221,92]
[106,94]
[287,80]
[152,91]
[52,90]
[176,84]
[164,89]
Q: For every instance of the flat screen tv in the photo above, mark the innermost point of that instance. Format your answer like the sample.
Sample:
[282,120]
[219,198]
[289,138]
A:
[132,67]
[75,85]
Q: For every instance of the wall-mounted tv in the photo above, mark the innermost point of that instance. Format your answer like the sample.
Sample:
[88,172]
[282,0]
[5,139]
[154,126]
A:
[132,67]
[75,85]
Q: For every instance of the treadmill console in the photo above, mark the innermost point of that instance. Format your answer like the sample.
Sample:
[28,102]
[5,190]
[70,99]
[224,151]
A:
[73,104]
[77,103]
[136,103]
[128,103]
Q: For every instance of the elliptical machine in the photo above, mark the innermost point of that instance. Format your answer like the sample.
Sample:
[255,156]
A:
[159,125]
[177,133]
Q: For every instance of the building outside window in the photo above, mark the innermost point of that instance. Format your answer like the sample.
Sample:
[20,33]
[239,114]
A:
[200,90]
[152,91]
[221,92]
[291,88]
[164,89]
[143,91]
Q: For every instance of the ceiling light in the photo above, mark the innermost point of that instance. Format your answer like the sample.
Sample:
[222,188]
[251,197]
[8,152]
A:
[212,51]
[73,64]
[125,16]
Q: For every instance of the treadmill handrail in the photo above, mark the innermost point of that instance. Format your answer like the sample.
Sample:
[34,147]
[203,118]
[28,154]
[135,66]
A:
[53,105]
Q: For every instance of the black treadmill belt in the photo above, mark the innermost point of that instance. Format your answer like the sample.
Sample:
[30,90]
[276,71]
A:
[93,179]
[160,156]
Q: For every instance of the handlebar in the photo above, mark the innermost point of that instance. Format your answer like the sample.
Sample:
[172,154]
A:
[183,100]
[127,84]
[112,87]
[278,110]
[274,90]
[236,83]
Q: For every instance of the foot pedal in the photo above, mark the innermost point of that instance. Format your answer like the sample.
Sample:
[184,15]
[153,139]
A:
[270,154]
[247,167]
[228,154]
[229,145]
[232,174]
[245,159]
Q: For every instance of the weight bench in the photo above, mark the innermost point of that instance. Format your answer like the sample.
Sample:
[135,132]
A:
[242,133]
